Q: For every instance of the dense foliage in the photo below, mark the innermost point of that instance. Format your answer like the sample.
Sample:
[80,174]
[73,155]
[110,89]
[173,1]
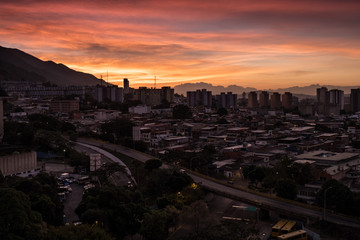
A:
[182,112]
[27,206]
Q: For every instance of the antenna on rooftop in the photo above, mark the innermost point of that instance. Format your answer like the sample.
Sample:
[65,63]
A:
[107,75]
[101,80]
[155,82]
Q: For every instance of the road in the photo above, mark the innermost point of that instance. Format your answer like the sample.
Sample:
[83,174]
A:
[255,199]
[109,156]
[72,202]
[142,157]
[275,204]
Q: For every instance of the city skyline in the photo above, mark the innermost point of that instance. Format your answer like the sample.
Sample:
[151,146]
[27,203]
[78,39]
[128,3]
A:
[267,44]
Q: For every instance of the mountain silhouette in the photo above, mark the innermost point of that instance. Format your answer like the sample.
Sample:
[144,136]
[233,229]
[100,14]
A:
[306,90]
[18,66]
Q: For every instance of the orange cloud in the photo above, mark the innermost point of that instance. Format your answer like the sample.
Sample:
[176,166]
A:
[263,44]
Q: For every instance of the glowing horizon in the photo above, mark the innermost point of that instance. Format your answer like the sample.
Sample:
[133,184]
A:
[263,44]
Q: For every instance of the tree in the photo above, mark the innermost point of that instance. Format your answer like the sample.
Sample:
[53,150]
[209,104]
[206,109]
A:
[67,127]
[222,121]
[155,225]
[222,111]
[173,216]
[17,220]
[338,197]
[81,232]
[286,189]
[109,169]
[120,210]
[121,127]
[305,174]
[181,111]
[197,215]
[46,122]
[255,174]
[152,164]
[3,93]
[209,149]
[42,193]
[18,133]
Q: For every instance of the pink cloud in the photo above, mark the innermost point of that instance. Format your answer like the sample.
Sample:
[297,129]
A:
[188,40]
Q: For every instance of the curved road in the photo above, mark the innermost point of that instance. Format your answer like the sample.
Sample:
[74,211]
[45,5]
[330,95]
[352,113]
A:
[275,204]
[111,157]
[229,191]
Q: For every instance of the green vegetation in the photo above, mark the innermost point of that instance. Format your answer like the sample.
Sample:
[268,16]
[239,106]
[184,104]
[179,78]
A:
[182,112]
[27,206]
[45,133]
[222,112]
[339,198]
[124,211]
[81,232]
[152,164]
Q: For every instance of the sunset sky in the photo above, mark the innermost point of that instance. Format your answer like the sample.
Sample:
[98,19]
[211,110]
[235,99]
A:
[262,44]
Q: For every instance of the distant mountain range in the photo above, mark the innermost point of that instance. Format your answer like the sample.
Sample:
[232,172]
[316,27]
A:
[306,90]
[183,88]
[18,66]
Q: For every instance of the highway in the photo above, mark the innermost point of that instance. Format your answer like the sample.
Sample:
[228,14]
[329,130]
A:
[273,204]
[252,198]
[109,156]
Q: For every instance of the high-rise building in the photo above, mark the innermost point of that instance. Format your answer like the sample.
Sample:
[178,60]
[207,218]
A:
[336,97]
[153,96]
[264,99]
[322,95]
[1,119]
[167,93]
[329,102]
[231,100]
[112,93]
[126,86]
[228,100]
[287,100]
[355,100]
[275,102]
[199,98]
[252,100]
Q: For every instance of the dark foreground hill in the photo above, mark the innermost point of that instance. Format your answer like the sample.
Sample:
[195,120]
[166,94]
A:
[18,66]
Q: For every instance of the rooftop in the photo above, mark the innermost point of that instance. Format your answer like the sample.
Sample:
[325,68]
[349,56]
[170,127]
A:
[326,155]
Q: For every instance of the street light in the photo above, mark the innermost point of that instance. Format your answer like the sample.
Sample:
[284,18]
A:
[325,201]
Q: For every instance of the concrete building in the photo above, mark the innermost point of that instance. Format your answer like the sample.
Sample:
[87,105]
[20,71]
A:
[141,109]
[1,119]
[264,99]
[252,100]
[199,98]
[154,96]
[322,95]
[336,97]
[167,94]
[112,93]
[64,106]
[126,86]
[355,100]
[328,159]
[42,92]
[228,100]
[18,163]
[275,102]
[287,100]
